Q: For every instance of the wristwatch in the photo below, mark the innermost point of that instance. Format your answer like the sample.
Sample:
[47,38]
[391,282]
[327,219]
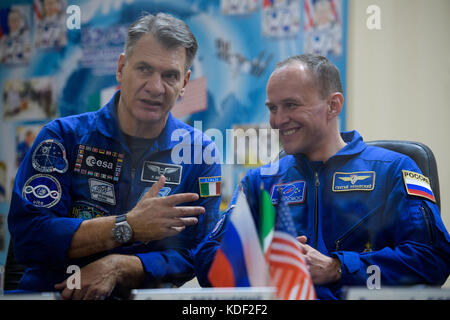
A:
[122,231]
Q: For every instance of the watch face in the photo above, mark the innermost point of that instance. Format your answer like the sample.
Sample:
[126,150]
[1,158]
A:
[123,233]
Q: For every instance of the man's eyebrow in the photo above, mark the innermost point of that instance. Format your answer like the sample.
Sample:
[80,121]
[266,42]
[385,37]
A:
[290,100]
[143,63]
[176,71]
[148,65]
[285,100]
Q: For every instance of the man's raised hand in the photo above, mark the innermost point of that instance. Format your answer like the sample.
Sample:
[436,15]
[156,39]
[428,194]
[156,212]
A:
[155,218]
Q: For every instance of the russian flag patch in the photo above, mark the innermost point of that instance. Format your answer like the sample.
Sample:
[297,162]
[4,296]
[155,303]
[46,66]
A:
[417,184]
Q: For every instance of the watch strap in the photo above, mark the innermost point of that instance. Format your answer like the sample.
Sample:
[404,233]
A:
[121,218]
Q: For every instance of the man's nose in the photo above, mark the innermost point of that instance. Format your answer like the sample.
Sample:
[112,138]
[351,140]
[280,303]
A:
[280,119]
[154,85]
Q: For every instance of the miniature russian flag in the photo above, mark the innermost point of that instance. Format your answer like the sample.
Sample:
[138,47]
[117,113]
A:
[239,261]
[417,184]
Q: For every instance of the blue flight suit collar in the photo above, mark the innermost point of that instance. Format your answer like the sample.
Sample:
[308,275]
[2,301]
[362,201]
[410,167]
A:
[354,145]
[108,125]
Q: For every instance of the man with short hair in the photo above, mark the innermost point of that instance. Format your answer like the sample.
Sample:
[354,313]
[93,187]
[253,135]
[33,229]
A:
[353,205]
[101,191]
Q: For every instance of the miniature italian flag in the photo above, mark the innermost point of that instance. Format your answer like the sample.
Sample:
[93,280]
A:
[266,221]
[209,186]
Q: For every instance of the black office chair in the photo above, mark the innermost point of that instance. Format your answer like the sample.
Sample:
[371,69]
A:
[422,156]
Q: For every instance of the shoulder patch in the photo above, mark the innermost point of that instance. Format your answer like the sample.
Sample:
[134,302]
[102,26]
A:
[42,190]
[293,192]
[102,191]
[417,184]
[162,193]
[98,163]
[86,210]
[50,156]
[151,171]
[209,186]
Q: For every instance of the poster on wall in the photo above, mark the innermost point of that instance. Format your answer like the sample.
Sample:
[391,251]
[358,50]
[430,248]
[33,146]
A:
[71,70]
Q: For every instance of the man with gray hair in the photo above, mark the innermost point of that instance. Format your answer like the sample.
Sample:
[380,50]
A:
[100,190]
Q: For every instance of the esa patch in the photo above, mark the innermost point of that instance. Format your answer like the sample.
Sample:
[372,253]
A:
[102,191]
[86,210]
[151,171]
[50,156]
[42,190]
[292,192]
[98,163]
[417,184]
[353,181]
[209,186]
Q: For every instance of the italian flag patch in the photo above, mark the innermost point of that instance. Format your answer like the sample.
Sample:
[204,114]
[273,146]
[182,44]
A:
[209,186]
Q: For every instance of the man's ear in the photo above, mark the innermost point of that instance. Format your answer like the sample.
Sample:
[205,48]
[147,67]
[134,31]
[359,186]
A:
[120,65]
[335,104]
[186,80]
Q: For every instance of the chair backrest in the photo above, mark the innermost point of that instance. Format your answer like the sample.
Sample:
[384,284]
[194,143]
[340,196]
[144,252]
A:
[422,156]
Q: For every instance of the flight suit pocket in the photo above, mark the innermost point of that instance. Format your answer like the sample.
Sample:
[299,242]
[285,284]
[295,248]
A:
[359,237]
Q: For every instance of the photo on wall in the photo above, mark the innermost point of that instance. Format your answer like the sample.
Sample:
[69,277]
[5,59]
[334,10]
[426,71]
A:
[31,99]
[50,23]
[15,38]
[323,27]
[235,7]
[281,18]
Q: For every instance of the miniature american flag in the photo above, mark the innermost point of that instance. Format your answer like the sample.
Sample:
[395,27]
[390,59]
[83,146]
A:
[288,269]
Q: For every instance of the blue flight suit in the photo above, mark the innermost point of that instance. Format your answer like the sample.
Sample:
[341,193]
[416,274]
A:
[370,220]
[79,168]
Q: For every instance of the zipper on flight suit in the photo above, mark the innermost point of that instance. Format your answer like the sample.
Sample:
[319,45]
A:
[355,227]
[316,209]
[349,232]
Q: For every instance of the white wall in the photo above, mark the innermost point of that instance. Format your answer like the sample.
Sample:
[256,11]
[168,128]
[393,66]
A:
[398,80]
